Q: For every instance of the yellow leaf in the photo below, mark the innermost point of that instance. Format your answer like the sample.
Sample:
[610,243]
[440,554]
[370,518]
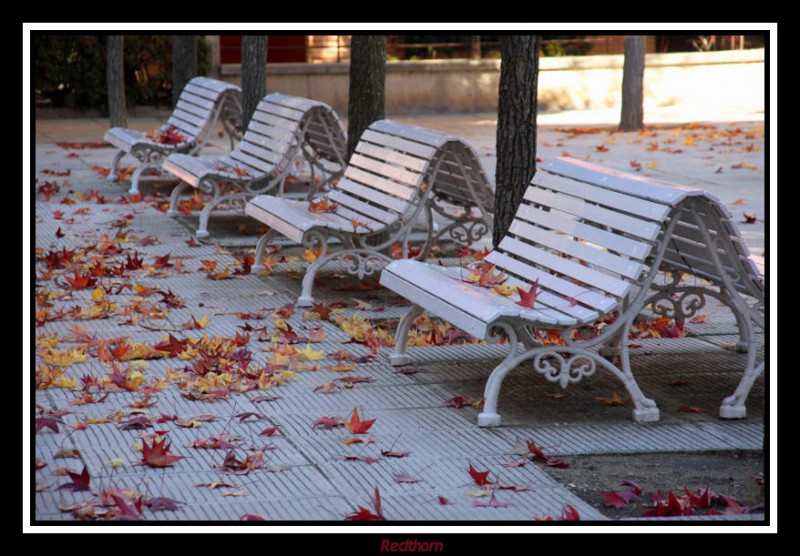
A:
[310,255]
[116,462]
[739,201]
[63,382]
[652,165]
[63,358]
[310,354]
[689,141]
[47,341]
[343,368]
[505,289]
[97,294]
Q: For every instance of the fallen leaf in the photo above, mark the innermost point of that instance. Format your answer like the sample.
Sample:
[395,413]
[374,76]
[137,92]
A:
[162,504]
[403,477]
[614,400]
[78,481]
[492,503]
[691,409]
[356,425]
[158,454]
[364,514]
[480,477]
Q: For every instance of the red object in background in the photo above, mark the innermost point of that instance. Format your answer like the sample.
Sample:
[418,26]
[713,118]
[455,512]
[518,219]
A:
[280,49]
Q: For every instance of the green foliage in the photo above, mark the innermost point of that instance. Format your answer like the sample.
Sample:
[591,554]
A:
[564,45]
[70,70]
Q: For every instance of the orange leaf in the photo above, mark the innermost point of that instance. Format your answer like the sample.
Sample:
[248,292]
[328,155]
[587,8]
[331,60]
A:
[356,425]
[527,299]
[614,400]
[323,205]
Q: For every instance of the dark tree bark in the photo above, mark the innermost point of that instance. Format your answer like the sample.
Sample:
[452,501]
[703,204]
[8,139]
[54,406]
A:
[516,127]
[632,117]
[254,74]
[184,63]
[367,86]
[115,77]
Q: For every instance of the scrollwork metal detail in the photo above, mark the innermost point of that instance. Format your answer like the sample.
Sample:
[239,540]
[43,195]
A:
[564,370]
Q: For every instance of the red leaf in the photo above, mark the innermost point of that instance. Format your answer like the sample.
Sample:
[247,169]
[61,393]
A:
[49,422]
[269,431]
[614,499]
[691,409]
[356,425]
[327,423]
[527,299]
[633,486]
[480,477]
[363,514]
[78,482]
[252,517]
[569,513]
[443,501]
[158,455]
[246,415]
[557,463]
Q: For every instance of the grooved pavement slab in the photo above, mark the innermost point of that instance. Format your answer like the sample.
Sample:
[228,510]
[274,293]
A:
[302,472]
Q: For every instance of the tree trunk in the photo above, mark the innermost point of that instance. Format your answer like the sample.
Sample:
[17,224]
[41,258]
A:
[632,117]
[254,74]
[516,127]
[367,86]
[115,77]
[184,63]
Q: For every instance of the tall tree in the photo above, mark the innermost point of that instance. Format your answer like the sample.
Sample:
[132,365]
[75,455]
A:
[632,116]
[115,77]
[516,127]
[184,63]
[367,86]
[254,74]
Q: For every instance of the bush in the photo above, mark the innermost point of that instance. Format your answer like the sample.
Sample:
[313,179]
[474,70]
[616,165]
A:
[70,70]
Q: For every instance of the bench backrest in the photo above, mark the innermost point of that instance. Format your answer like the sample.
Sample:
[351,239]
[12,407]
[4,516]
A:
[279,124]
[694,210]
[395,165]
[583,231]
[199,105]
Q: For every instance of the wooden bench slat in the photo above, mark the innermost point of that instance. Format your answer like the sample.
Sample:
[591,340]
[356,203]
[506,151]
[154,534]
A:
[416,134]
[269,119]
[379,184]
[198,111]
[281,111]
[373,195]
[195,100]
[583,296]
[392,156]
[202,92]
[278,134]
[266,142]
[385,169]
[559,222]
[269,159]
[417,149]
[357,205]
[582,251]
[659,192]
[254,162]
[565,267]
[618,201]
[599,215]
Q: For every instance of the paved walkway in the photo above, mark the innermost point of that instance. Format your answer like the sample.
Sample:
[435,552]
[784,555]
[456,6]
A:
[308,473]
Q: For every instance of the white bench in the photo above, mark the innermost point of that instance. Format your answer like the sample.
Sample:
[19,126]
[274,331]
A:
[202,104]
[386,186]
[284,131]
[595,240]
